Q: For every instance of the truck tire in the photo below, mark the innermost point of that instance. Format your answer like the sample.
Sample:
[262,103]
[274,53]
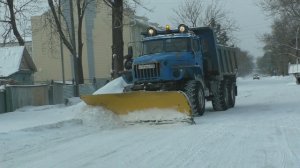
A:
[231,93]
[195,92]
[220,97]
[298,81]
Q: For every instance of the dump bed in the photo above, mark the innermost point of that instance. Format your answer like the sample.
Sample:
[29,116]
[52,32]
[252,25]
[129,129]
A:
[227,60]
[218,60]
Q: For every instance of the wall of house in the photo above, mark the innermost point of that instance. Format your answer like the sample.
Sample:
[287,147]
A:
[46,52]
[23,78]
[97,39]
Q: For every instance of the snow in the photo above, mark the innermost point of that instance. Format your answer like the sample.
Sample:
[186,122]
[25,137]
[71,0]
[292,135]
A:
[115,86]
[261,131]
[10,60]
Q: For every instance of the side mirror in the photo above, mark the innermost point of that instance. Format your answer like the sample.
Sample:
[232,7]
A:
[128,64]
[128,59]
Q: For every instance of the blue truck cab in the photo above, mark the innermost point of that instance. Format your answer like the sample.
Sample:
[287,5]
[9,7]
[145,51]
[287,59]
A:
[168,58]
[187,60]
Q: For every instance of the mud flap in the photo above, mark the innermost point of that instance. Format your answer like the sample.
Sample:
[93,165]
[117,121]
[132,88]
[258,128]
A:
[124,103]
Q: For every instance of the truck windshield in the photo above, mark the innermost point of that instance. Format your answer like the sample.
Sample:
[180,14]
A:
[166,45]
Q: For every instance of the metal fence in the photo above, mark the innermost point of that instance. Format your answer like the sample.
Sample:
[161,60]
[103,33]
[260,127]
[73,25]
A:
[2,101]
[30,95]
[58,93]
[17,96]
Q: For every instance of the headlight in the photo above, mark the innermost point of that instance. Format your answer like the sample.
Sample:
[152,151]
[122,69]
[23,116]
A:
[182,28]
[151,31]
[177,72]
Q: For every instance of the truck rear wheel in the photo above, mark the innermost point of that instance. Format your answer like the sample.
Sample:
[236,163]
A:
[231,93]
[220,98]
[195,92]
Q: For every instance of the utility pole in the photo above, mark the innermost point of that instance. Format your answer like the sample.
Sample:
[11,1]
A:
[117,38]
[297,42]
[74,53]
[61,45]
[297,50]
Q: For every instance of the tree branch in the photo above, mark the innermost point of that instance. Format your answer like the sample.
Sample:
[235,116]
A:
[13,23]
[59,28]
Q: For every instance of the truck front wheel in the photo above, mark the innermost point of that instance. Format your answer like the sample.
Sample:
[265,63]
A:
[195,92]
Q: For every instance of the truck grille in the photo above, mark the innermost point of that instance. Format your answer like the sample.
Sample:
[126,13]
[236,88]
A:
[147,71]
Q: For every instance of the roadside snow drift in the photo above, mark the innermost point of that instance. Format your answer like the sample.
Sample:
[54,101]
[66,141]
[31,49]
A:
[58,115]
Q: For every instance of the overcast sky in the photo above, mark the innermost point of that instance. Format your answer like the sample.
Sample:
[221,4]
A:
[248,16]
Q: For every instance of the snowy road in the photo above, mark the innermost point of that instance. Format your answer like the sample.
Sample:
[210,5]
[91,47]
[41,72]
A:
[262,131]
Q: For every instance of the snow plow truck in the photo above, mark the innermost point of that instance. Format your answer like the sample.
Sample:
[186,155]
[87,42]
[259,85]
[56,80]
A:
[178,69]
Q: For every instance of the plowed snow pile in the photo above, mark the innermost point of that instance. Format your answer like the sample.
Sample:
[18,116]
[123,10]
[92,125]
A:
[61,115]
[54,116]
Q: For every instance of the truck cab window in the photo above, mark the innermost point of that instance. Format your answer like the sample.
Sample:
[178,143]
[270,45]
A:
[166,45]
[177,45]
[152,47]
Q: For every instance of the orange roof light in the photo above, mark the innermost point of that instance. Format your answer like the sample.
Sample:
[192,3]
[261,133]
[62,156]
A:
[168,28]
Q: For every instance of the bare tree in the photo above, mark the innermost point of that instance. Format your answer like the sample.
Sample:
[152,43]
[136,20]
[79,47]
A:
[117,32]
[194,13]
[245,63]
[189,12]
[14,17]
[117,36]
[290,8]
[281,44]
[66,31]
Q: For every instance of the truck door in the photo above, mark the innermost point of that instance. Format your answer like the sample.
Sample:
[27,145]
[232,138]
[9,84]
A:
[197,52]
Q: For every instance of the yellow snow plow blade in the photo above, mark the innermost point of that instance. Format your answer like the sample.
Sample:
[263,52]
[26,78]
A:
[123,103]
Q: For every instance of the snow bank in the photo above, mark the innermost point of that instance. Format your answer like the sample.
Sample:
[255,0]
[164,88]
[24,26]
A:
[99,118]
[30,117]
[55,116]
[115,86]
[78,113]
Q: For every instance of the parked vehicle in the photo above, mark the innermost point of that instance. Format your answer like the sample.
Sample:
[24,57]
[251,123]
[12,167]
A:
[256,76]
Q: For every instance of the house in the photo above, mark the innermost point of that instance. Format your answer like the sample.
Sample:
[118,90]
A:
[28,45]
[16,66]
[97,39]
